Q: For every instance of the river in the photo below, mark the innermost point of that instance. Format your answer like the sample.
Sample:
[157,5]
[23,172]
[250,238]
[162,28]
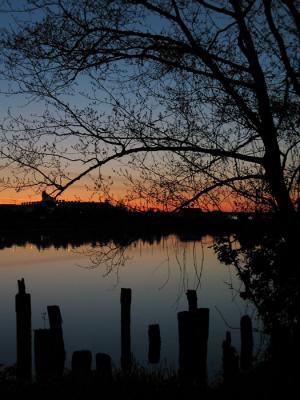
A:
[88,294]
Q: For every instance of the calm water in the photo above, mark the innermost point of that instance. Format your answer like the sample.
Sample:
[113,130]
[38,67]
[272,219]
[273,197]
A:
[89,296]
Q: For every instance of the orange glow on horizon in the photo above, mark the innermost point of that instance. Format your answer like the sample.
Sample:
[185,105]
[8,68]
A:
[81,194]
[226,207]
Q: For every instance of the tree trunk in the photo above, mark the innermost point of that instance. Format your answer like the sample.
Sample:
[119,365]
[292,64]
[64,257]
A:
[275,178]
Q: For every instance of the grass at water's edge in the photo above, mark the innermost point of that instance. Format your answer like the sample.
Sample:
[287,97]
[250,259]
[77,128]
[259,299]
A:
[265,381]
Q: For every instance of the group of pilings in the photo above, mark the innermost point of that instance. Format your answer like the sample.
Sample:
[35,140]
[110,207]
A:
[232,362]
[193,329]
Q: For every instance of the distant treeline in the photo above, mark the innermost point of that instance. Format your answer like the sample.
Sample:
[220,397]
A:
[77,223]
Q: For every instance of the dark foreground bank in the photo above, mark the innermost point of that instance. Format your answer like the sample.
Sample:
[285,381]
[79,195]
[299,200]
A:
[268,380]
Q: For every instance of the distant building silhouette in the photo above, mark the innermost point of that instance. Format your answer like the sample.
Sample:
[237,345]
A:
[46,198]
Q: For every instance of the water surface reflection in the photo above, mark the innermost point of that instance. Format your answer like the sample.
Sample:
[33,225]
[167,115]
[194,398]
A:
[89,295]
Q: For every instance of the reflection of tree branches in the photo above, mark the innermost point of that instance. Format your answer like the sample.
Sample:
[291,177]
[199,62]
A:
[181,252]
[234,291]
[198,274]
[224,320]
[168,269]
[182,285]
[111,256]
[114,255]
[234,327]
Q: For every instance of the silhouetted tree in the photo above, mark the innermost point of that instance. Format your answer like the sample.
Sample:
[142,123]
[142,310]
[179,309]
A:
[265,264]
[200,96]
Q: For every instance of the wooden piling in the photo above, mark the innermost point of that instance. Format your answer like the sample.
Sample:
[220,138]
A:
[246,343]
[44,356]
[185,345]
[24,341]
[81,364]
[125,329]
[192,299]
[200,330]
[230,360]
[154,344]
[103,366]
[193,329]
[55,322]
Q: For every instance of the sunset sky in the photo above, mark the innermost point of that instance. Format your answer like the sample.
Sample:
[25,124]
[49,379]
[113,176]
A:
[171,124]
[19,105]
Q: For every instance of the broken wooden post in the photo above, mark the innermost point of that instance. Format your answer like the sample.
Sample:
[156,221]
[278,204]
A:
[103,366]
[200,330]
[59,355]
[43,355]
[230,360]
[81,364]
[125,329]
[246,342]
[154,344]
[185,345]
[192,299]
[24,345]
[193,336]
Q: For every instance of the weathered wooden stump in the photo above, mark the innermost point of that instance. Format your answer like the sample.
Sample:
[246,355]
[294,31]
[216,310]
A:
[154,344]
[103,366]
[44,355]
[185,345]
[193,336]
[246,343]
[125,329]
[24,341]
[59,354]
[230,360]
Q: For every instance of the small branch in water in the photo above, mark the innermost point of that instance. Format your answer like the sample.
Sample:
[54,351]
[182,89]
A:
[223,318]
